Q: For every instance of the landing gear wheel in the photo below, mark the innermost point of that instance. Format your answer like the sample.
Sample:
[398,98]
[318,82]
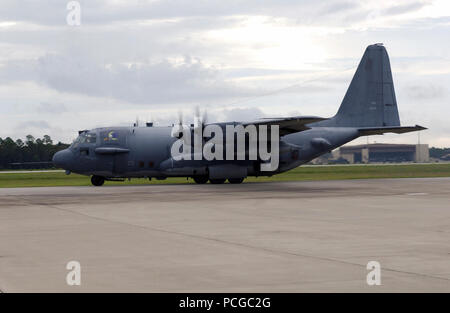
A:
[97,180]
[200,179]
[217,181]
[235,180]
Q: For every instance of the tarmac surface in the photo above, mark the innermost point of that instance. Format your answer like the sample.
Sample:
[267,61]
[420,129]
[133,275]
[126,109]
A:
[255,237]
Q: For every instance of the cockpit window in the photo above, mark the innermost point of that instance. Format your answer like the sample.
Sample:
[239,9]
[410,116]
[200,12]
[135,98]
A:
[86,137]
[91,137]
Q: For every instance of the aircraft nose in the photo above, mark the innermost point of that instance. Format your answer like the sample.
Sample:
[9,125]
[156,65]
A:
[62,158]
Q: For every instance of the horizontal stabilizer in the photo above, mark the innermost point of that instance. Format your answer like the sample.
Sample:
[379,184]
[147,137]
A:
[368,131]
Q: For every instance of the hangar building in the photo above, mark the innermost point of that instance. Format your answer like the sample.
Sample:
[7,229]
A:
[382,152]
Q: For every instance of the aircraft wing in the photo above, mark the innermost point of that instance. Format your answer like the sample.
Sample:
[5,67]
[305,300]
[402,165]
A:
[287,125]
[366,131]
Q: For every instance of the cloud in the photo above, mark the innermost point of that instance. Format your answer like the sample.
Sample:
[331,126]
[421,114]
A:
[52,108]
[39,125]
[53,12]
[147,83]
[102,12]
[405,8]
[426,91]
[334,7]
[242,114]
[234,57]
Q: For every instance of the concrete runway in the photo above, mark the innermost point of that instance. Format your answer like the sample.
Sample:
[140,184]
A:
[255,237]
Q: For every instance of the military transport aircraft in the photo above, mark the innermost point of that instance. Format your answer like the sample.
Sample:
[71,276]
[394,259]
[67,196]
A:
[114,153]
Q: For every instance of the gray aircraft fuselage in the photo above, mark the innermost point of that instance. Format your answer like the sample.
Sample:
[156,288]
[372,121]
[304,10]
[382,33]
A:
[368,108]
[148,152]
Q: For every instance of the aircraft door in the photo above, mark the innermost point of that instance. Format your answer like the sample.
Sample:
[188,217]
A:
[116,163]
[120,163]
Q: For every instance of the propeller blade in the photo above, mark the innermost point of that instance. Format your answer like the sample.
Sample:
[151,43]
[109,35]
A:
[205,117]
[201,118]
[180,117]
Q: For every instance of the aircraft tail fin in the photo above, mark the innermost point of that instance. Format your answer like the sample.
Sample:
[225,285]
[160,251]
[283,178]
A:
[370,99]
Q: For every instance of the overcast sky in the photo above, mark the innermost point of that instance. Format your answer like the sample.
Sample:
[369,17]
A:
[238,59]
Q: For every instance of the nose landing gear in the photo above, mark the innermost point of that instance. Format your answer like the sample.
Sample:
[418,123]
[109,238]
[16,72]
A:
[97,180]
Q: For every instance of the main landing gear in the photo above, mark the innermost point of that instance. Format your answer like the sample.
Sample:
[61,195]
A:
[217,181]
[204,180]
[100,180]
[200,179]
[97,180]
[235,180]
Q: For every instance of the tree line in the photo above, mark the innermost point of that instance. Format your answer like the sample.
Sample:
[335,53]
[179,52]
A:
[29,150]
